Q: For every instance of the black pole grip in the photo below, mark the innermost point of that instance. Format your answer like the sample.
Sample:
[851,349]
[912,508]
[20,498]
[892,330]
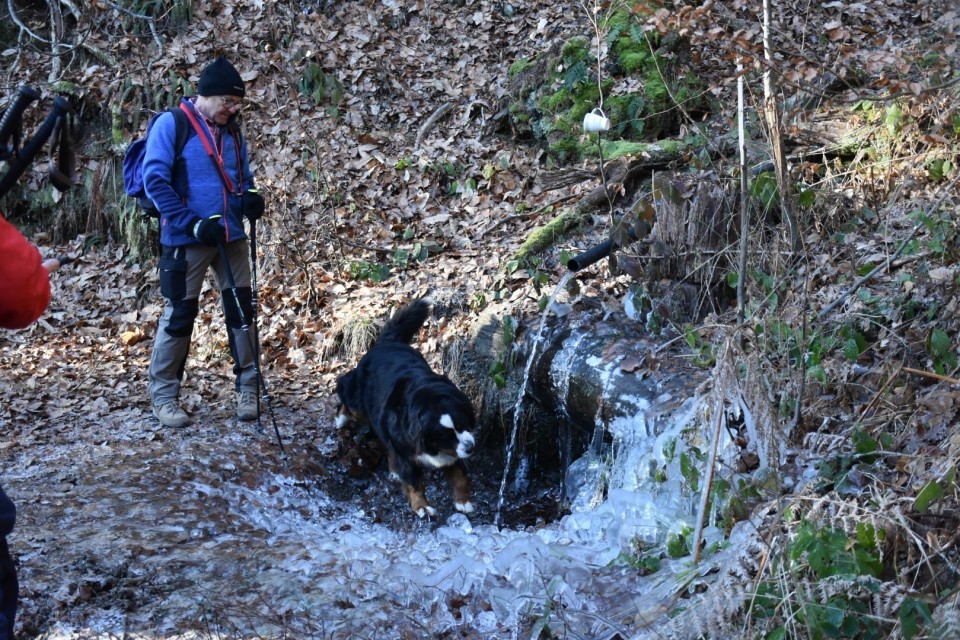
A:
[61,170]
[25,157]
[11,118]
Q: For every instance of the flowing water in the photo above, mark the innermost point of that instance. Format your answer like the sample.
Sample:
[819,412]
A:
[521,394]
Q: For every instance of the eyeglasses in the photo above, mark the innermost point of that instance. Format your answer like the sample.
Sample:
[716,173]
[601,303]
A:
[230,103]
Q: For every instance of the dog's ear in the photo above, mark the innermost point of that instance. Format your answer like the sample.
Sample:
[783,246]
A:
[347,389]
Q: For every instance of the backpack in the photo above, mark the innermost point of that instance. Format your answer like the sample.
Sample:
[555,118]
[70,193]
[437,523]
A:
[133,161]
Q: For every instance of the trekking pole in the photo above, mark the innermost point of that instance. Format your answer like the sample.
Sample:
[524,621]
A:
[23,157]
[245,327]
[254,301]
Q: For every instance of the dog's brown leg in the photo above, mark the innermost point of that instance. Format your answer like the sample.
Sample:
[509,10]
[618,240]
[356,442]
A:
[418,501]
[460,483]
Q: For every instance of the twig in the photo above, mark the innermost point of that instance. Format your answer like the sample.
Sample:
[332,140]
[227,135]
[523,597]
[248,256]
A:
[528,214]
[709,471]
[357,245]
[879,394]
[431,122]
[877,269]
[553,202]
[744,203]
[930,374]
[798,407]
[886,263]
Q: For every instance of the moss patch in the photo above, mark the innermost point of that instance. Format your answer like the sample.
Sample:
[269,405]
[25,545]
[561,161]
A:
[567,88]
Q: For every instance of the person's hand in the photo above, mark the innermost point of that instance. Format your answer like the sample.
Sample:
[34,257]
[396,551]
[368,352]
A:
[252,205]
[209,231]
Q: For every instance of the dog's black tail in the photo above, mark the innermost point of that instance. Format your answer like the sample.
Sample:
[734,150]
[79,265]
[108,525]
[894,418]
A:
[406,322]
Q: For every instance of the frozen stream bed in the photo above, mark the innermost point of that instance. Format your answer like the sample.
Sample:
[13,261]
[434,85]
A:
[131,530]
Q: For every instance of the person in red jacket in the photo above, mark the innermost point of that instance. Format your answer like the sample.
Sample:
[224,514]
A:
[24,296]
[24,279]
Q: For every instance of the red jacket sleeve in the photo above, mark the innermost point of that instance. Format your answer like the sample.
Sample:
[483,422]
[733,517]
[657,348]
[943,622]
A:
[24,281]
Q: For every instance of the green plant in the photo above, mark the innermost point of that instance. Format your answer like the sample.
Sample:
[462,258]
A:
[703,351]
[818,345]
[519,67]
[867,450]
[321,87]
[363,270]
[689,469]
[913,615]
[498,373]
[498,370]
[940,168]
[478,301]
[533,266]
[818,553]
[942,233]
[936,489]
[626,112]
[941,350]
[678,542]
[448,168]
[895,118]
[764,188]
[854,344]
[464,187]
[403,258]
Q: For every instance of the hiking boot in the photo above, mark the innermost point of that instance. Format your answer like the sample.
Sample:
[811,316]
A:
[169,413]
[247,405]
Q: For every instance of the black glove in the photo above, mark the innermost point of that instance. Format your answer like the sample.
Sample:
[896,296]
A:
[252,205]
[209,231]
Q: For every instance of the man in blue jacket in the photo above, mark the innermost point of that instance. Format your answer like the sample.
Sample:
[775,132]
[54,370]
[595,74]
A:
[202,196]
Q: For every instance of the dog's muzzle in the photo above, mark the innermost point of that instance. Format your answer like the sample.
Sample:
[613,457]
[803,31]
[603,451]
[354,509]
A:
[465,444]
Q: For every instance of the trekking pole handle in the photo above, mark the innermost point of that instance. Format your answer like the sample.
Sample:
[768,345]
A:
[11,117]
[62,169]
[29,150]
[52,264]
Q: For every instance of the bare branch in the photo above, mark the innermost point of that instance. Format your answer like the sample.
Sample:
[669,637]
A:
[151,21]
[23,27]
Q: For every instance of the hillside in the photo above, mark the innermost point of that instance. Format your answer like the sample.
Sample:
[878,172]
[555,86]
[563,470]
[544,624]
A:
[406,148]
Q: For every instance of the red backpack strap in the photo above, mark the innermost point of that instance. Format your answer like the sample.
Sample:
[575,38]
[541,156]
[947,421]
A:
[214,156]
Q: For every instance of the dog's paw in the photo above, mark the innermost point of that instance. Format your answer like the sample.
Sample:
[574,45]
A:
[341,421]
[464,507]
[394,477]
[426,511]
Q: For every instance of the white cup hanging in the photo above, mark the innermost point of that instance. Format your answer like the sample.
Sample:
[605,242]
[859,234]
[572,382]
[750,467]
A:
[596,121]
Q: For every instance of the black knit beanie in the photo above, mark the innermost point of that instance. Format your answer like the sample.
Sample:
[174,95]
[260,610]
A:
[220,78]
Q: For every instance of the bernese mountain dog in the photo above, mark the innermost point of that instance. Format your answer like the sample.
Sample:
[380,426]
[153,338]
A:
[423,420]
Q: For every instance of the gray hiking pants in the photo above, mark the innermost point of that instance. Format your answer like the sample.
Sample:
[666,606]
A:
[182,272]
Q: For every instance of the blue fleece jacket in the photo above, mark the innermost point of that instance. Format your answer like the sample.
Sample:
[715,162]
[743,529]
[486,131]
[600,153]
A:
[198,192]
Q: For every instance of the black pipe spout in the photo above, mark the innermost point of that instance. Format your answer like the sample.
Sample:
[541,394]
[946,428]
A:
[591,255]
[600,251]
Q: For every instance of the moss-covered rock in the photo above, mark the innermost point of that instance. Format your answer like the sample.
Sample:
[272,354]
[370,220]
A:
[552,93]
